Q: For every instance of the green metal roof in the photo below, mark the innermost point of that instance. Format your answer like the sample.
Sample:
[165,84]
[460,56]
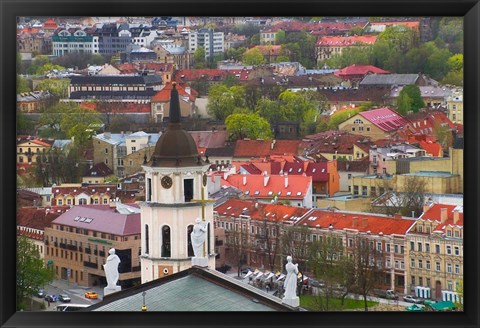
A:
[189,293]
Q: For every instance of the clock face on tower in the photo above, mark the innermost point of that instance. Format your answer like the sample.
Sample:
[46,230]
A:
[166,182]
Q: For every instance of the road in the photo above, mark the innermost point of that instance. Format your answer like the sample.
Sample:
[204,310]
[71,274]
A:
[76,293]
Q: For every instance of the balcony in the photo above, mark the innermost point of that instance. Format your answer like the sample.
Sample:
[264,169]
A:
[90,265]
[72,247]
[88,250]
[63,245]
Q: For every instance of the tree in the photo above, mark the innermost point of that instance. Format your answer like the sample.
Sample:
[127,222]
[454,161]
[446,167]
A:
[25,125]
[280,37]
[368,264]
[57,87]
[410,99]
[253,57]
[238,245]
[22,85]
[295,243]
[340,117]
[235,53]
[224,101]
[199,58]
[82,60]
[31,273]
[251,126]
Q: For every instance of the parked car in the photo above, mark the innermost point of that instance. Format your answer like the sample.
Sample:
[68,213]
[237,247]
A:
[411,299]
[41,293]
[91,295]
[64,298]
[51,298]
[388,294]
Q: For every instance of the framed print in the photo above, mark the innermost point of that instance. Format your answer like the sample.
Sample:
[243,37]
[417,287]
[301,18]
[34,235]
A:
[134,97]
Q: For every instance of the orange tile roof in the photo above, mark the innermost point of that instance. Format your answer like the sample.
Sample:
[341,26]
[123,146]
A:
[297,187]
[374,223]
[414,25]
[434,212]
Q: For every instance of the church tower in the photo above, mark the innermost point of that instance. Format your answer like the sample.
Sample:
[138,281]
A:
[175,178]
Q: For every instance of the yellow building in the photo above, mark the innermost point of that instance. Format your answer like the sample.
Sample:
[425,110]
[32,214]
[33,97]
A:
[434,261]
[29,150]
[455,109]
[345,203]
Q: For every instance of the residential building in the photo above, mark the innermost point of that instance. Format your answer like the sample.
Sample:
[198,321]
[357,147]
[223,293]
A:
[208,39]
[135,53]
[246,149]
[35,196]
[32,221]
[433,96]
[355,73]
[376,123]
[354,203]
[160,102]
[29,150]
[36,43]
[347,170]
[113,38]
[97,174]
[336,145]
[378,27]
[435,252]
[83,194]
[455,108]
[77,243]
[173,54]
[339,97]
[379,155]
[391,80]
[73,41]
[34,102]
[329,46]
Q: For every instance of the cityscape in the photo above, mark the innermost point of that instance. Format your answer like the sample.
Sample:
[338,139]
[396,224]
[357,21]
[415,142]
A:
[200,163]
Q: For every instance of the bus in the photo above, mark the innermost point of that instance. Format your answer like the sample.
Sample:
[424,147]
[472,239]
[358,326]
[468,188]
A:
[71,307]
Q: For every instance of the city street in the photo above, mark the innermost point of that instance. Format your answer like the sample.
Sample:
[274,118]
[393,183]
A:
[76,293]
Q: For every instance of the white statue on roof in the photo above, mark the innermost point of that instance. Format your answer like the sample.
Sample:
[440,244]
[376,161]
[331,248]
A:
[290,296]
[111,272]
[198,236]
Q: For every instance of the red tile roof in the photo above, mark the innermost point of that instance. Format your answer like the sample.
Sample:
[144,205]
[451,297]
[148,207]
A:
[385,118]
[263,148]
[344,41]
[185,75]
[260,211]
[434,213]
[39,217]
[98,170]
[374,223]
[334,141]
[353,70]
[414,25]
[164,94]
[297,186]
[432,148]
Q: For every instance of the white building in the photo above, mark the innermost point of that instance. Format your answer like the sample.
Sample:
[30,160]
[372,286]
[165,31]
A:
[212,42]
[65,42]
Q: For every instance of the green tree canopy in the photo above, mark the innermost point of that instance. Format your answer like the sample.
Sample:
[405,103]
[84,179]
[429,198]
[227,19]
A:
[249,125]
[57,87]
[340,117]
[199,58]
[22,85]
[253,56]
[224,101]
[31,273]
[410,95]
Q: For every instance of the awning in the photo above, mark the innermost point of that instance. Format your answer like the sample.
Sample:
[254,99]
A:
[443,306]
[270,275]
[259,275]
[249,273]
[281,277]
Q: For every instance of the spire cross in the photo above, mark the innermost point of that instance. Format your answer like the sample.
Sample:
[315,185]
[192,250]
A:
[203,201]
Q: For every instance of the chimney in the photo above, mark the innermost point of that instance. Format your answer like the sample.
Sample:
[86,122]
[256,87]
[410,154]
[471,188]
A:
[397,216]
[443,215]
[273,144]
[426,207]
[244,179]
[286,180]
[456,216]
[265,179]
[364,222]
[355,222]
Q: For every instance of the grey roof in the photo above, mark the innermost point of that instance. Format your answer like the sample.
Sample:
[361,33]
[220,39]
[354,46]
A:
[194,289]
[111,138]
[224,194]
[426,91]
[40,191]
[102,220]
[61,143]
[116,79]
[389,79]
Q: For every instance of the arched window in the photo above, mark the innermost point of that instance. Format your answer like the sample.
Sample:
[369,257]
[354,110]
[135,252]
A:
[165,250]
[147,240]
[189,241]
[358,121]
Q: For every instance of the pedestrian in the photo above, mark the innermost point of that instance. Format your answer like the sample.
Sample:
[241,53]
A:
[267,287]
[48,301]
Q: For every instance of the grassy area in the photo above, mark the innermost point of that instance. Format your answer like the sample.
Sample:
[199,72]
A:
[316,303]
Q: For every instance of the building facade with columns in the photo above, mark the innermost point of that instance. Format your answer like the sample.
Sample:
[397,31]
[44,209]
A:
[174,180]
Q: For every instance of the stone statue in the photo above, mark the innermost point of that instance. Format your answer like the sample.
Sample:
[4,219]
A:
[198,235]
[290,297]
[111,270]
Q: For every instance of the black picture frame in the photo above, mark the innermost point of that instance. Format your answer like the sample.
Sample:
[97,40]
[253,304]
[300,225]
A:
[10,9]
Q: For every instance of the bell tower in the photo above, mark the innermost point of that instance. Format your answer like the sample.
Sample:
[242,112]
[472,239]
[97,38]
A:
[174,179]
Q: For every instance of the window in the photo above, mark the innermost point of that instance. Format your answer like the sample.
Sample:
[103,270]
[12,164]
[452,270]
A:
[355,190]
[437,249]
[449,250]
[388,248]
[457,251]
[419,247]
[413,280]
[106,150]
[59,202]
[420,264]
[427,265]
[379,247]
[449,267]
[412,263]
[387,264]
[437,266]
[412,246]
[364,190]
[402,265]
[427,247]
[457,269]
[395,248]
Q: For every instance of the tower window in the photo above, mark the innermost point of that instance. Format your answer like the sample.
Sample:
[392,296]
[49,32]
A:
[147,242]
[188,189]
[189,241]
[166,249]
